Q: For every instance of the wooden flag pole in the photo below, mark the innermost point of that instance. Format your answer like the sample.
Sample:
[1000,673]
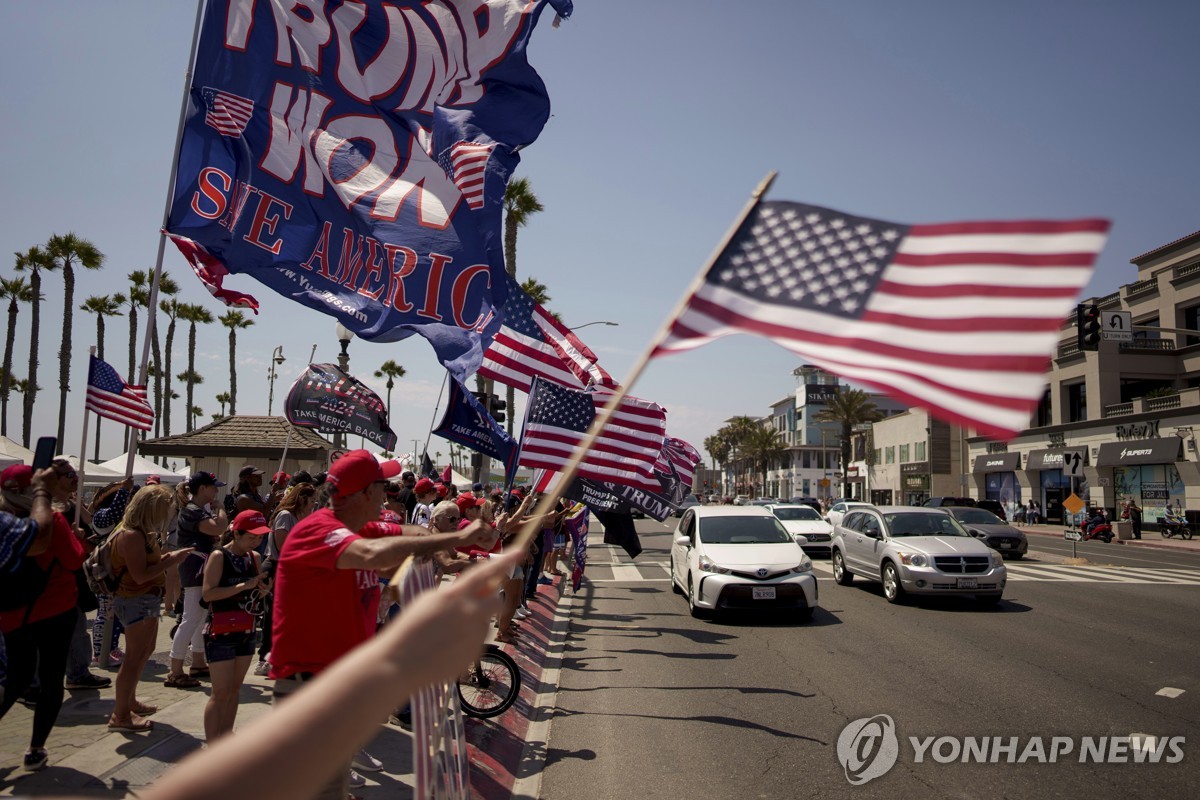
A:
[547,501]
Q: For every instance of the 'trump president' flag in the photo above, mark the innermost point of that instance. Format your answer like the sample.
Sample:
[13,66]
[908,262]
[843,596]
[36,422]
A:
[959,318]
[353,157]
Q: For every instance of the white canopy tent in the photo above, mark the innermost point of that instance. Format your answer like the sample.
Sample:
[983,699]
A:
[96,474]
[13,453]
[142,467]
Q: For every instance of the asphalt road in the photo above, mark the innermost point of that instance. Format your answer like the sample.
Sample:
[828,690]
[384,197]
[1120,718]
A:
[653,703]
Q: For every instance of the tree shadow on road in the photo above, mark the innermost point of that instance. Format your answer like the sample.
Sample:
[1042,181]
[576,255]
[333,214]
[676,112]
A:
[713,719]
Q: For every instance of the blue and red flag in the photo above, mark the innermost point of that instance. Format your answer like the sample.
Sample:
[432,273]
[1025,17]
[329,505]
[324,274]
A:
[354,157]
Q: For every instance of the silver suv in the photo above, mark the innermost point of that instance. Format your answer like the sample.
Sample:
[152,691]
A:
[915,550]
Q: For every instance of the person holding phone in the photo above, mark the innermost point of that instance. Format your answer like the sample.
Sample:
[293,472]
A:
[139,560]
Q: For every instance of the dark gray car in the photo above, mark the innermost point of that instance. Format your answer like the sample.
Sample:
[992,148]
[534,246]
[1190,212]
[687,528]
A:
[992,531]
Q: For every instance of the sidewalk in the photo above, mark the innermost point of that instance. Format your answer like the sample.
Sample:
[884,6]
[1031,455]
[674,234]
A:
[88,759]
[1151,539]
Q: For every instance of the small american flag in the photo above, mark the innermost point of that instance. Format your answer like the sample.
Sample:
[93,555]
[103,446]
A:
[532,343]
[211,273]
[466,164]
[558,419]
[959,318]
[226,113]
[110,397]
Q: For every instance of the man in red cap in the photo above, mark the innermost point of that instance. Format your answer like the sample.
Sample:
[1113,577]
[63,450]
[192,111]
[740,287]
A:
[326,588]
[426,494]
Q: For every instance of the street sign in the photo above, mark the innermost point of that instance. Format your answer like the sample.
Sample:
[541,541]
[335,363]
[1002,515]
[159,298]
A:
[1072,535]
[1073,463]
[1117,326]
[334,455]
[1073,503]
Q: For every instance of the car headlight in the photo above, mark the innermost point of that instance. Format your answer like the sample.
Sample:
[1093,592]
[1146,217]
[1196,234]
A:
[997,559]
[912,559]
[803,566]
[708,566]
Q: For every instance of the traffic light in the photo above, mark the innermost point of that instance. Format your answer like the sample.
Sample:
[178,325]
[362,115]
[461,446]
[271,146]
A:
[496,407]
[1088,326]
[482,398]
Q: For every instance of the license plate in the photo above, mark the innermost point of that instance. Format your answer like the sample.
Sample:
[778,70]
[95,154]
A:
[1005,545]
[763,593]
[968,583]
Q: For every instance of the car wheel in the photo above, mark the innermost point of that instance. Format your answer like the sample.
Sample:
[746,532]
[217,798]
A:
[1014,556]
[674,584]
[988,599]
[697,612]
[892,590]
[841,575]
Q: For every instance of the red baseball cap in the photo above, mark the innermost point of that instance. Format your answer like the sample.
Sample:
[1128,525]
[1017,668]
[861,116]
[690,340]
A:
[17,477]
[251,521]
[468,500]
[153,480]
[442,490]
[423,486]
[280,477]
[357,470]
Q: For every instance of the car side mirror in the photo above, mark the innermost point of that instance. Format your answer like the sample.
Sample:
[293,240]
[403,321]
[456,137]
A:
[683,541]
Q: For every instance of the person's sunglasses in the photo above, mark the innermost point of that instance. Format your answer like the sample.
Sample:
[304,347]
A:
[68,474]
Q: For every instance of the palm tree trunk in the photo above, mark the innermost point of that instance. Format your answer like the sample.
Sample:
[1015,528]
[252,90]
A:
[132,339]
[191,371]
[8,348]
[64,350]
[35,284]
[166,403]
[100,355]
[510,245]
[232,373]
[509,398]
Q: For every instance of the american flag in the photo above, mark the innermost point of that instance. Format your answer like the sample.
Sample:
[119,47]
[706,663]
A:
[110,397]
[682,456]
[211,273]
[466,164]
[226,113]
[558,419]
[959,318]
[533,343]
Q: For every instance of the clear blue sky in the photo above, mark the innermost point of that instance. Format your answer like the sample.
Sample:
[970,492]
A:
[666,115]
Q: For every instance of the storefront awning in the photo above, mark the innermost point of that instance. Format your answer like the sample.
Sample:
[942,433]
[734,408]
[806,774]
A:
[1052,459]
[997,462]
[1140,451]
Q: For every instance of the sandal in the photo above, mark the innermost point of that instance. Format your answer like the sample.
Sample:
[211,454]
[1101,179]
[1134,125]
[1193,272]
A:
[137,725]
[143,709]
[181,682]
[198,672]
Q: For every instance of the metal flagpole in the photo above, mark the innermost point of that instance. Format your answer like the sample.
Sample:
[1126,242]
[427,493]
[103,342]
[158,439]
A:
[152,304]
[546,501]
[82,450]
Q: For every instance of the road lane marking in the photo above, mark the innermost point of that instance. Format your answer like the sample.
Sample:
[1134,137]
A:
[626,572]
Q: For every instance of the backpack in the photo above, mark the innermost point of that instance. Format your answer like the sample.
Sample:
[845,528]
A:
[98,570]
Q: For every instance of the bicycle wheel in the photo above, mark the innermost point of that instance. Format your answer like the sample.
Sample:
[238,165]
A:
[491,685]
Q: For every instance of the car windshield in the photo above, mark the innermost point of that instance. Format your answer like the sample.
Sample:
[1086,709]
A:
[976,516]
[916,523]
[794,513]
[743,530]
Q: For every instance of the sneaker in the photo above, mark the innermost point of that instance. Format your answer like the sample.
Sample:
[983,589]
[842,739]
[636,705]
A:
[357,780]
[262,668]
[521,613]
[88,681]
[366,762]
[35,760]
[545,581]
[115,657]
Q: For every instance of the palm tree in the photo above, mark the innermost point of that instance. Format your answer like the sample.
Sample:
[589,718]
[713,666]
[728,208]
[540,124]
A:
[735,434]
[849,408]
[520,203]
[763,446]
[15,290]
[24,388]
[197,411]
[166,286]
[171,309]
[718,448]
[233,320]
[392,370]
[102,306]
[194,315]
[68,250]
[223,398]
[191,379]
[139,295]
[35,260]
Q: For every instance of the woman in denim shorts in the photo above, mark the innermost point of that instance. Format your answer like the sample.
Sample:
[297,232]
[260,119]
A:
[231,575]
[139,560]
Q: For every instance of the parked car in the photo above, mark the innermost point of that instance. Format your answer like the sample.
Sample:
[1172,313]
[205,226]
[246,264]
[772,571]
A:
[731,557]
[806,526]
[688,502]
[993,506]
[916,550]
[762,501]
[741,500]
[992,531]
[943,502]
[839,509]
[811,502]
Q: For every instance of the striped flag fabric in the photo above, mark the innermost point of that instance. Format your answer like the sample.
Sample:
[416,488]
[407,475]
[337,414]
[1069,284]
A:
[558,418]
[532,343]
[110,397]
[226,113]
[958,318]
[682,456]
[466,164]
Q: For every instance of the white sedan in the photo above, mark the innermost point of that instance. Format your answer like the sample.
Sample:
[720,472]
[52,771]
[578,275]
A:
[839,510]
[740,558]
[805,525]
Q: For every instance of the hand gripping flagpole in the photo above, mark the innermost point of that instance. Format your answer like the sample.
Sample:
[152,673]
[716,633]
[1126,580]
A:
[152,303]
[547,501]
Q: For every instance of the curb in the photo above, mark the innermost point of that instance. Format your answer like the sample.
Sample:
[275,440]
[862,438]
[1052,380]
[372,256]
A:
[1152,544]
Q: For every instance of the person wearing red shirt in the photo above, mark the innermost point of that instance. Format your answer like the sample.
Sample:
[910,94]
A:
[38,635]
[326,588]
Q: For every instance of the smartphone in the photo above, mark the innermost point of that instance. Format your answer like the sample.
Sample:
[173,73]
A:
[44,453]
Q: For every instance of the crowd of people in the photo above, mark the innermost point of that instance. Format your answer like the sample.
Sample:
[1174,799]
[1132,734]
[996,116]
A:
[300,577]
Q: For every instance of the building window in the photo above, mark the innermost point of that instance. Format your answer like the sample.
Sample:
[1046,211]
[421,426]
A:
[1191,321]
[1041,417]
[889,455]
[904,453]
[1076,402]
[878,456]
[920,454]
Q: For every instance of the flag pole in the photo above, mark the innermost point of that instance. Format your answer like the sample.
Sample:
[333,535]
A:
[152,303]
[83,447]
[547,500]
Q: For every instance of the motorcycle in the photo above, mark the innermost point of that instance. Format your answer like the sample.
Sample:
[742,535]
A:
[1100,530]
[1174,526]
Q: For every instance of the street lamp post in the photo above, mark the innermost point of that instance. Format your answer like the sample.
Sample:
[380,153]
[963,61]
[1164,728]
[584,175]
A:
[276,359]
[344,336]
[597,322]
